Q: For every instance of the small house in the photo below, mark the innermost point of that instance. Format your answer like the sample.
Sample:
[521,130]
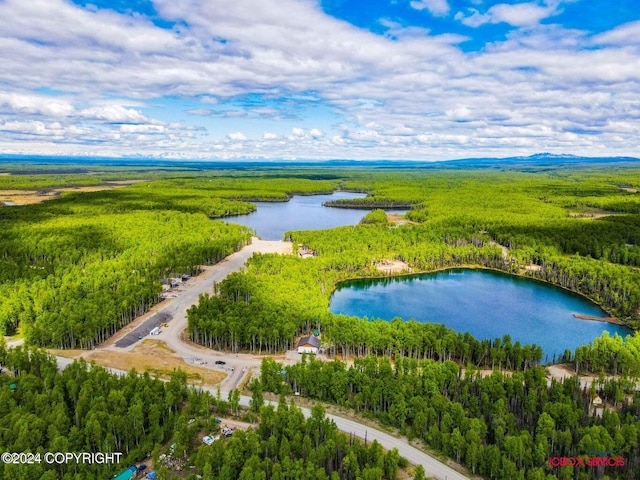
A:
[309,344]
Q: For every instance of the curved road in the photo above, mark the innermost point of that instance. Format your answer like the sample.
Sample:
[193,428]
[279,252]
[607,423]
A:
[237,365]
[434,468]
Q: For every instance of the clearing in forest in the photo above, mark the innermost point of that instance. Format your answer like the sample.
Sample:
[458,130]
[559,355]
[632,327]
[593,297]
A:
[29,197]
[153,356]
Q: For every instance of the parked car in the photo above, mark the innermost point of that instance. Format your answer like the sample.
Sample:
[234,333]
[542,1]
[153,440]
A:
[220,362]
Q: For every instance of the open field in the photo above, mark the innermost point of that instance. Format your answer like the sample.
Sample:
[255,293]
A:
[152,356]
[29,197]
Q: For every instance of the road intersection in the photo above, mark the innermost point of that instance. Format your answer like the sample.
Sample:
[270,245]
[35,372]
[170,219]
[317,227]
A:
[173,314]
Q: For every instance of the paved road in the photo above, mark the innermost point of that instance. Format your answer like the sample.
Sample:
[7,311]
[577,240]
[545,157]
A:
[174,313]
[433,467]
[237,365]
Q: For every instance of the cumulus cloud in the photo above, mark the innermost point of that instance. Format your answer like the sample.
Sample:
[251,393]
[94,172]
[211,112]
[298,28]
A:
[114,114]
[237,137]
[297,132]
[409,94]
[35,104]
[438,8]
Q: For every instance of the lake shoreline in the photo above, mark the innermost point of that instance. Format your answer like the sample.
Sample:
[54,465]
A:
[610,319]
[493,306]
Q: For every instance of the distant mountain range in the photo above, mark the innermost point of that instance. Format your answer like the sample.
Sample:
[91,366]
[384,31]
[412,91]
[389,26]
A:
[537,161]
[550,159]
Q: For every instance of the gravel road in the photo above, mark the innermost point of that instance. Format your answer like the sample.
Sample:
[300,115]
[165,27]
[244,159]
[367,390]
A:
[174,312]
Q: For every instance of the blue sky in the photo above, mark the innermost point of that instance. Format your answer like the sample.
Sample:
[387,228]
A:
[305,79]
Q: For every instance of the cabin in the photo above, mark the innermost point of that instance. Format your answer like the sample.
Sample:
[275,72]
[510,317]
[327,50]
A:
[309,344]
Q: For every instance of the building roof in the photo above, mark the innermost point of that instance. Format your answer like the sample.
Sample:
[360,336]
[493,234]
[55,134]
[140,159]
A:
[126,474]
[310,340]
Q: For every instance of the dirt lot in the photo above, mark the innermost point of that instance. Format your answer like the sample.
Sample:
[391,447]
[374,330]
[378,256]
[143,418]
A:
[153,356]
[393,266]
[27,197]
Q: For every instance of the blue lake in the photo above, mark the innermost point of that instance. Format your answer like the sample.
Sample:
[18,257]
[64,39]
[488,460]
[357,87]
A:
[487,304]
[273,219]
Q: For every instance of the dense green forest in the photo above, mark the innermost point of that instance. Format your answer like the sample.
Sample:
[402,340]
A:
[80,409]
[606,354]
[87,409]
[499,426]
[528,224]
[74,270]
[285,445]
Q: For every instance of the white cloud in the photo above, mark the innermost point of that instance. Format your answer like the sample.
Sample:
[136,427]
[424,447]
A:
[35,104]
[297,132]
[518,15]
[473,18]
[202,112]
[523,14]
[147,129]
[31,128]
[460,114]
[627,34]
[237,137]
[114,114]
[438,8]
[415,95]
[338,140]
